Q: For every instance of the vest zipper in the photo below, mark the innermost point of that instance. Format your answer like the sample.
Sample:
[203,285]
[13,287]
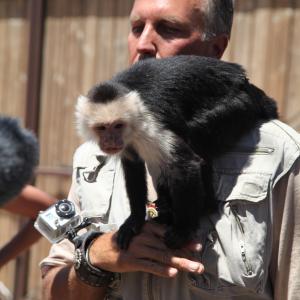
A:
[248,267]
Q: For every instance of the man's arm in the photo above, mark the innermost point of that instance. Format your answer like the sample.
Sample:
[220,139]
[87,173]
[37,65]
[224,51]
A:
[61,282]
[28,203]
[147,253]
[285,267]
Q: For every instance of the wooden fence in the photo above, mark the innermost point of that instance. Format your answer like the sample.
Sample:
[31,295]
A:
[85,41]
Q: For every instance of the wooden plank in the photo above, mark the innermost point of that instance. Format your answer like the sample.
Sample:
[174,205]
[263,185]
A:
[9,223]
[260,40]
[13,61]
[278,58]
[240,50]
[292,100]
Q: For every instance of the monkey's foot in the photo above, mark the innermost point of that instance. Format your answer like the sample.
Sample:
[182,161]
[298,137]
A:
[176,239]
[127,231]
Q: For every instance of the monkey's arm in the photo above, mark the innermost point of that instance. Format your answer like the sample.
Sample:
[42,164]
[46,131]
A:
[136,187]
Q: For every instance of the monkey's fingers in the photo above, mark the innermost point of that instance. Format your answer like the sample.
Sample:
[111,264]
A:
[127,231]
[124,236]
[176,239]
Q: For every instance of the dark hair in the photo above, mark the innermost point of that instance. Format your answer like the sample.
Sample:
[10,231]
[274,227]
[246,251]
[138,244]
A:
[218,16]
[18,157]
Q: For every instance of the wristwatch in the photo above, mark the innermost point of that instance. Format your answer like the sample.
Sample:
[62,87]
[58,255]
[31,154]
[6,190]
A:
[84,270]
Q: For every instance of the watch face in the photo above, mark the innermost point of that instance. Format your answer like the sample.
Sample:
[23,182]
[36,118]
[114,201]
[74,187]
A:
[77,258]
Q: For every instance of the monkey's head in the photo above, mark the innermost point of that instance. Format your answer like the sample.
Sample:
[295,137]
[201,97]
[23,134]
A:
[108,115]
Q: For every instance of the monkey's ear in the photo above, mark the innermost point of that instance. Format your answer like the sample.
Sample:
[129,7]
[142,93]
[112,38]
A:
[81,102]
[81,107]
[81,114]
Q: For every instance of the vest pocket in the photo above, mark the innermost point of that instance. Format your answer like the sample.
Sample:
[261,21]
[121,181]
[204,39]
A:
[236,239]
[95,186]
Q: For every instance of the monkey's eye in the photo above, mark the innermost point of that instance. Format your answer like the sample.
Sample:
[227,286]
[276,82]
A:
[100,128]
[119,126]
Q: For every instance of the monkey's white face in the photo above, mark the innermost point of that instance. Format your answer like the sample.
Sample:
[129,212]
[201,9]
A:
[111,125]
[124,122]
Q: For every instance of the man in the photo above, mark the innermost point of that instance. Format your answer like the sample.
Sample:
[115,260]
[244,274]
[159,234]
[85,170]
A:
[244,244]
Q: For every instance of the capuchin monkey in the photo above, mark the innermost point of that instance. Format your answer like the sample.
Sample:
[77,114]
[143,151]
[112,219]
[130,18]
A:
[176,114]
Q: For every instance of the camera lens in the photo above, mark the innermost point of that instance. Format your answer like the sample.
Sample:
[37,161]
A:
[65,209]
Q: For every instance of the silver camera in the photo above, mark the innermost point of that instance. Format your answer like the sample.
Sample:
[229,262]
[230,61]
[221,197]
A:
[59,221]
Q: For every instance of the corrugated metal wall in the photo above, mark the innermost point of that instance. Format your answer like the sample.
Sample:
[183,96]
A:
[86,42]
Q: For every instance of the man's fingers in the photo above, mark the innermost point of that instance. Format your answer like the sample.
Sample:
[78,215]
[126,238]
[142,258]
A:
[167,258]
[158,230]
[147,240]
[155,229]
[131,264]
[187,265]
[193,246]
[156,268]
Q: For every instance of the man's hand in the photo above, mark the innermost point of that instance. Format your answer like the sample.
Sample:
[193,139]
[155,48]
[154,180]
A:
[147,253]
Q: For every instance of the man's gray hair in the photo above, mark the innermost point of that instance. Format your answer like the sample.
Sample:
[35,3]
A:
[218,16]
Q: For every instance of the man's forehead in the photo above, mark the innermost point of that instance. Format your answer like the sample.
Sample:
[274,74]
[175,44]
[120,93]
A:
[170,18]
[170,10]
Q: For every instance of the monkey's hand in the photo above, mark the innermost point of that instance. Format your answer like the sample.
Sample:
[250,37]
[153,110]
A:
[131,227]
[176,239]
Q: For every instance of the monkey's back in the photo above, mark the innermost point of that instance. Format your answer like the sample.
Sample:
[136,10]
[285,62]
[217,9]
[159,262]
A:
[207,102]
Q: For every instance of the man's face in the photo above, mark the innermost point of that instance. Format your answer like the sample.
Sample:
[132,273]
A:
[162,28]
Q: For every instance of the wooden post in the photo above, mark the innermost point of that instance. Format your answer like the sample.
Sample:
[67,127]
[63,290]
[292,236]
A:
[36,16]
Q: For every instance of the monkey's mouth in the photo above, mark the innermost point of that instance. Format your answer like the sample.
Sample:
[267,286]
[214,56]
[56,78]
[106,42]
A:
[112,150]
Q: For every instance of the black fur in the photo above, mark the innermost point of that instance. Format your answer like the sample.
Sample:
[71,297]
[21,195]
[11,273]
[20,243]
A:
[106,92]
[209,105]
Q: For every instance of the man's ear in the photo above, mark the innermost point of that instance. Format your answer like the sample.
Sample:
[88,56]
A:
[218,45]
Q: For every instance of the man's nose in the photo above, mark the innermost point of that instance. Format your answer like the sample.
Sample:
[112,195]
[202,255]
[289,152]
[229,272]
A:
[146,46]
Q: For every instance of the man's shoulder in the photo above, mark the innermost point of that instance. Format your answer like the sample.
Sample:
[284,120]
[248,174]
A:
[270,148]
[275,136]
[282,132]
[283,139]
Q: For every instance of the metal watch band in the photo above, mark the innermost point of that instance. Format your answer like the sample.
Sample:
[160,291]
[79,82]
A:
[84,270]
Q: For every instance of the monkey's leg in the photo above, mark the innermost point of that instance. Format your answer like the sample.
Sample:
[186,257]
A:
[136,186]
[163,202]
[188,195]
